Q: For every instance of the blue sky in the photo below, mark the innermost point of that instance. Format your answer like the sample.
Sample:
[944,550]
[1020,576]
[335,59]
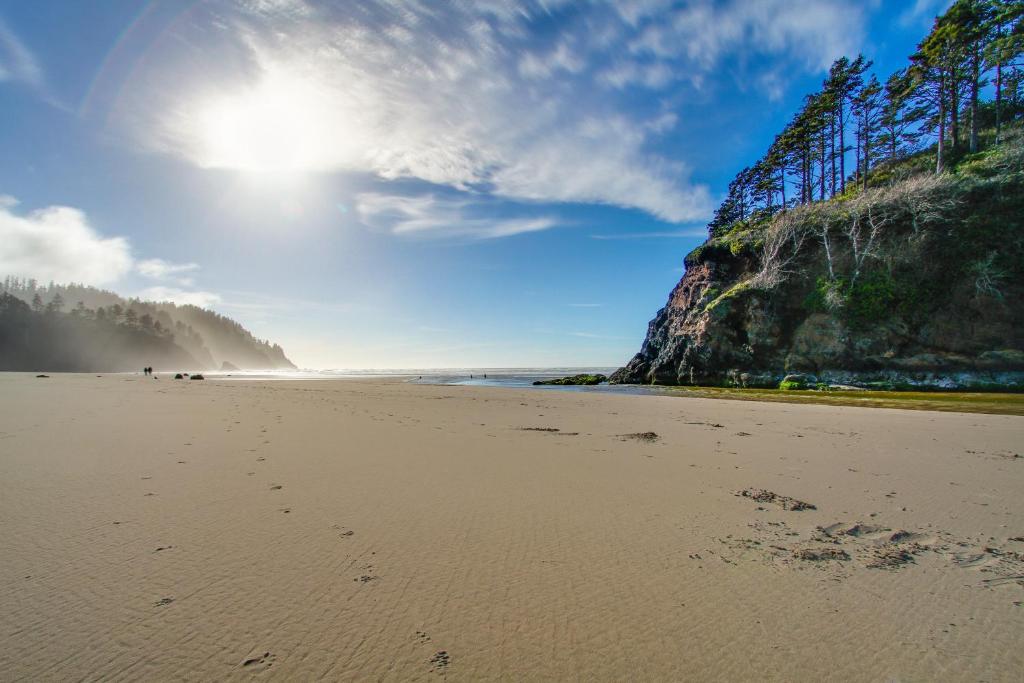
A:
[402,183]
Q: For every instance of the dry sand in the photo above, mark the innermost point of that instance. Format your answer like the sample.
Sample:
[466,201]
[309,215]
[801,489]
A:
[356,530]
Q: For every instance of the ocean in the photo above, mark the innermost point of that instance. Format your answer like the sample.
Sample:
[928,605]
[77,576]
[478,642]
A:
[484,377]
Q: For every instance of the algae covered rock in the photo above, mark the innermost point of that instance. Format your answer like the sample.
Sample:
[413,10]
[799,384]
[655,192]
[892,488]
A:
[580,380]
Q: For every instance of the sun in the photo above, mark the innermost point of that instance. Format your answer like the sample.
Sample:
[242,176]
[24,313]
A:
[281,124]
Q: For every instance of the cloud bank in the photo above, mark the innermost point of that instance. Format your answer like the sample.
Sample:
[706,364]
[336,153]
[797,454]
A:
[57,243]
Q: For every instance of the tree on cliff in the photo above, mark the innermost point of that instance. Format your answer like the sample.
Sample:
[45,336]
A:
[925,101]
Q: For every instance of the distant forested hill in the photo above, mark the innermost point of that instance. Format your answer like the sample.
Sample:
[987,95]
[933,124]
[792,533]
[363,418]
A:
[79,328]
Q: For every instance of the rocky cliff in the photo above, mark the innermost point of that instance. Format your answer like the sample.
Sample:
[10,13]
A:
[916,281]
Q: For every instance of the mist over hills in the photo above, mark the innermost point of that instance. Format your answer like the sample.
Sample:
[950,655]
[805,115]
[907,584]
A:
[77,328]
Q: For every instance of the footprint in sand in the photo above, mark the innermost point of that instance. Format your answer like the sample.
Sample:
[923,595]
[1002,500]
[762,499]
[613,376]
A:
[276,487]
[422,637]
[264,660]
[163,602]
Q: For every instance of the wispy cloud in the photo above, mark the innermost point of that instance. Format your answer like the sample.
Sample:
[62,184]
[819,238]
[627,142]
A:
[180,296]
[591,335]
[159,269]
[659,234]
[922,12]
[458,94]
[431,216]
[17,63]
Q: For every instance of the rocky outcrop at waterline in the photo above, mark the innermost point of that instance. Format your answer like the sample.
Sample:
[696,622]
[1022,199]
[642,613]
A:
[573,380]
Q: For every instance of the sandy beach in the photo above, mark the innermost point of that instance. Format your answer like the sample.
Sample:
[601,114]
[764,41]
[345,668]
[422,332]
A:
[379,530]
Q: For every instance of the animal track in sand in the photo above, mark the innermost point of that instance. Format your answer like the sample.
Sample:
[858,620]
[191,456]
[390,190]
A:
[276,487]
[440,661]
[266,659]
[163,602]
[821,554]
[163,547]
[343,531]
[422,637]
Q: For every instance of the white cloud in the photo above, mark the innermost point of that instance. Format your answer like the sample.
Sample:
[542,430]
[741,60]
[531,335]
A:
[159,269]
[431,216]
[179,296]
[57,243]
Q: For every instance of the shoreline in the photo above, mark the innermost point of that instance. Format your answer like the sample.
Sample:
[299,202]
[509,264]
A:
[981,402]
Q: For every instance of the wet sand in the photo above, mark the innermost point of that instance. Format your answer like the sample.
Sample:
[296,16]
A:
[378,530]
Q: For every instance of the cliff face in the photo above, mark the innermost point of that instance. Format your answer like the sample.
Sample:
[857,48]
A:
[917,282]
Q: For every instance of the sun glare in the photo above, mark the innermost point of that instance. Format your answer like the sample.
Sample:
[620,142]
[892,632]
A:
[280,125]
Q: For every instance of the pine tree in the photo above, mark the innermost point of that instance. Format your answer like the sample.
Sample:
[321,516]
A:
[56,304]
[867,107]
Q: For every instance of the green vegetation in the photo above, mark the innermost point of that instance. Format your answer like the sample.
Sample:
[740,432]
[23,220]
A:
[580,380]
[731,293]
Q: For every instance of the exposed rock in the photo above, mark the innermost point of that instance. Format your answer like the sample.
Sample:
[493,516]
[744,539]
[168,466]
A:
[647,437]
[583,380]
[785,502]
